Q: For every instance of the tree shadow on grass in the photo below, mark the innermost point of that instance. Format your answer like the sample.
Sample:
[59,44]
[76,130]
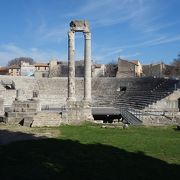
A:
[66,159]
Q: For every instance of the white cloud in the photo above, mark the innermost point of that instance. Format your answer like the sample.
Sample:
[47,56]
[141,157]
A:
[11,51]
[109,12]
[42,32]
[153,42]
[160,26]
[168,40]
[130,55]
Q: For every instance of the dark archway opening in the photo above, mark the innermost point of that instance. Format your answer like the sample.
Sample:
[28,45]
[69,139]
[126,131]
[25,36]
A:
[123,88]
[108,118]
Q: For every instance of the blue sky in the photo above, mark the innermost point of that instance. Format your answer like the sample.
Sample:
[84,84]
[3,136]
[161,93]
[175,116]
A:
[148,30]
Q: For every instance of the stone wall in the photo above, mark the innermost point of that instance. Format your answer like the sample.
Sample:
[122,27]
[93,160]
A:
[23,110]
[158,70]
[60,69]
[126,69]
[169,103]
[53,91]
[48,119]
[1,107]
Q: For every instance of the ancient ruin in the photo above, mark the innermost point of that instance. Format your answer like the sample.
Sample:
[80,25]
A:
[53,101]
[78,111]
[28,111]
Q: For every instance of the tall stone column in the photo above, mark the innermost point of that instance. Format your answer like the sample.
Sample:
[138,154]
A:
[71,66]
[87,66]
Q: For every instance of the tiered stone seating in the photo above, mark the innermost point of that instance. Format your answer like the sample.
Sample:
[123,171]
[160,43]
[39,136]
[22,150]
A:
[146,93]
[52,92]
[25,83]
[140,92]
[104,91]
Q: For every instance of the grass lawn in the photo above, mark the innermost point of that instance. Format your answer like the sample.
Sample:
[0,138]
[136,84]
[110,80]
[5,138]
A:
[90,152]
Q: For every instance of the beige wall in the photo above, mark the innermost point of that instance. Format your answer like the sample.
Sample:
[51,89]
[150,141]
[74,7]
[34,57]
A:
[129,69]
[42,68]
[154,70]
[125,69]
[98,71]
[14,72]
[138,70]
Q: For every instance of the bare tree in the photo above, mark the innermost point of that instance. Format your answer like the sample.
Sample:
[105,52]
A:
[17,61]
[176,66]
[111,69]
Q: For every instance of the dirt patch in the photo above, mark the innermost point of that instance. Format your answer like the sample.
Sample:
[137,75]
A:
[12,133]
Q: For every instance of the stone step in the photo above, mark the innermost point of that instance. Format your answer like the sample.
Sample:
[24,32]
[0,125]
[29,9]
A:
[47,119]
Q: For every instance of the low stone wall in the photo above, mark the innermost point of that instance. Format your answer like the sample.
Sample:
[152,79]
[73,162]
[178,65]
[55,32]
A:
[160,120]
[21,110]
[49,119]
[169,103]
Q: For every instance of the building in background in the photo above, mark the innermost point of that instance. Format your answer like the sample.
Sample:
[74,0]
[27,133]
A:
[128,69]
[4,71]
[54,68]
[98,70]
[158,70]
[27,69]
[14,70]
[60,68]
[41,70]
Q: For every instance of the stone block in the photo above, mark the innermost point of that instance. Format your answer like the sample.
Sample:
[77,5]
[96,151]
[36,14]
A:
[79,26]
[77,112]
[28,121]
[47,119]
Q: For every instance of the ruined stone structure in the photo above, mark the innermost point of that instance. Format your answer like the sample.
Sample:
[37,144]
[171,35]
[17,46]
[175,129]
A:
[54,101]
[148,95]
[78,111]
[23,110]
[60,68]
[98,70]
[157,70]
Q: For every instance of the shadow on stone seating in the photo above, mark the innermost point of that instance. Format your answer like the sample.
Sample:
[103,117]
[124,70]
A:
[70,160]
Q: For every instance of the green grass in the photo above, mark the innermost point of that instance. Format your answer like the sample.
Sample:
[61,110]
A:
[89,152]
[159,142]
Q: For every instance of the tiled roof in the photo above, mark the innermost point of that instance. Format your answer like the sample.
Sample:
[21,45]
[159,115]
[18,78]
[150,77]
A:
[135,62]
[3,69]
[41,65]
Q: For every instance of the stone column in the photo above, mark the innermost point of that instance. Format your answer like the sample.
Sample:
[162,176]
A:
[87,66]
[20,95]
[71,66]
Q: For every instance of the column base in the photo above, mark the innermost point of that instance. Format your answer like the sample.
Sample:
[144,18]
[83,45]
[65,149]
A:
[87,100]
[71,99]
[77,112]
